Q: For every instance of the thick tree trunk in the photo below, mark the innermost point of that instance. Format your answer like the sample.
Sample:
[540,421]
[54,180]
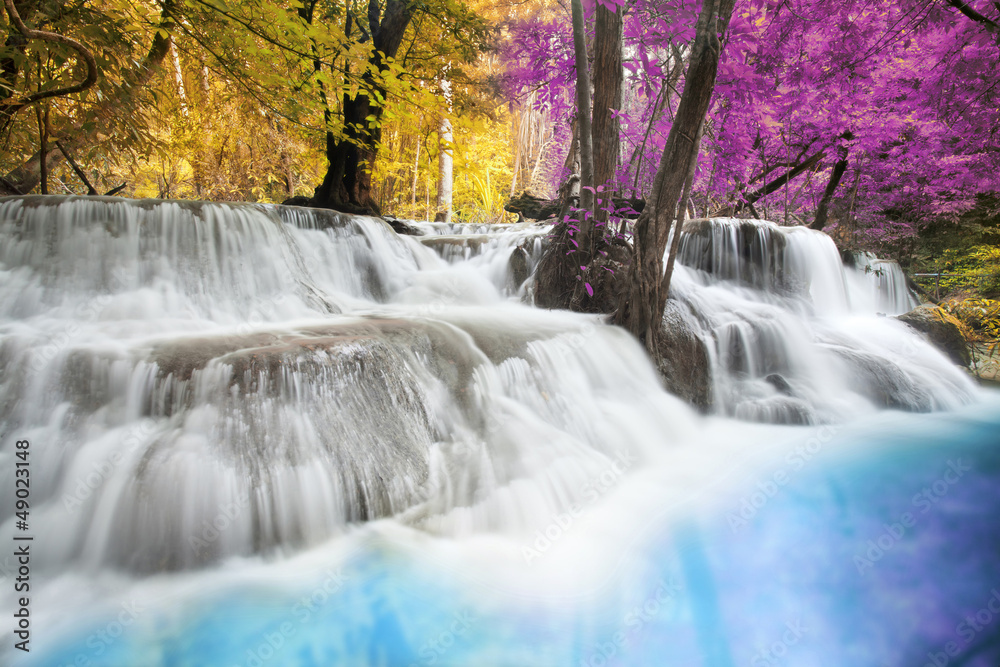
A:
[675,242]
[445,172]
[584,241]
[583,93]
[641,312]
[347,184]
[819,222]
[559,283]
[607,96]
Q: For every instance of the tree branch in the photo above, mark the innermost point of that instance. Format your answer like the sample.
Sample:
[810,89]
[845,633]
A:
[966,9]
[76,169]
[12,107]
[770,187]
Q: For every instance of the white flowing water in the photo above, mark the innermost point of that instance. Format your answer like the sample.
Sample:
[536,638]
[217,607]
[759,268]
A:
[231,406]
[797,337]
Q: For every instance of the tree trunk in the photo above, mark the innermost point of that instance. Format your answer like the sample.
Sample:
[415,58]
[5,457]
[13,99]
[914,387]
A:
[179,79]
[43,146]
[642,309]
[583,93]
[445,164]
[517,152]
[416,173]
[819,222]
[675,242]
[607,96]
[584,241]
[347,184]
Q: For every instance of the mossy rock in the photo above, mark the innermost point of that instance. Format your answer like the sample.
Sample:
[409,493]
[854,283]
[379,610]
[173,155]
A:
[941,329]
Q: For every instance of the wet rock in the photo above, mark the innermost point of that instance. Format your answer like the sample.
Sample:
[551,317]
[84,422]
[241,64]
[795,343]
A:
[682,358]
[883,382]
[779,383]
[517,267]
[748,251]
[261,362]
[402,226]
[987,363]
[941,329]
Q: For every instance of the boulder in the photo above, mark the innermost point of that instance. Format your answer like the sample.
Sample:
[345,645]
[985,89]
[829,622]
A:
[883,382]
[682,358]
[780,384]
[402,226]
[941,329]
[748,251]
[517,267]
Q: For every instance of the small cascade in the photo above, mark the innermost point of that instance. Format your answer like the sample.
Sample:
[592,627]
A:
[750,252]
[81,258]
[887,283]
[508,254]
[795,336]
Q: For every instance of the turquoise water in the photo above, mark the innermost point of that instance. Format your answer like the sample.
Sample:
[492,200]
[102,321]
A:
[875,545]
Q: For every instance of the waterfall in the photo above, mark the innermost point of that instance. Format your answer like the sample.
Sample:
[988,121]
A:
[235,390]
[887,283]
[797,337]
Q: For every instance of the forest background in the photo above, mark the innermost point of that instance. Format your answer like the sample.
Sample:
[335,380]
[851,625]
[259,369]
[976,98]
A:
[876,122]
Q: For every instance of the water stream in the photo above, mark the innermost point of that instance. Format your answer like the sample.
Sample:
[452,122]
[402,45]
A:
[276,436]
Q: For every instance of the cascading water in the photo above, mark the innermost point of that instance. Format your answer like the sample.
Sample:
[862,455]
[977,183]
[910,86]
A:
[795,337]
[886,281]
[267,435]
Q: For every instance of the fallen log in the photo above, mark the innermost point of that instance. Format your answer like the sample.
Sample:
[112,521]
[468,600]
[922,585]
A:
[537,208]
